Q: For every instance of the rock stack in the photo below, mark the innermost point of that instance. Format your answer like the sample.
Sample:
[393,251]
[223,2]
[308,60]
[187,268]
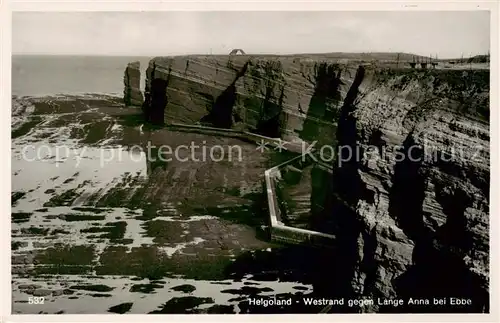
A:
[132,94]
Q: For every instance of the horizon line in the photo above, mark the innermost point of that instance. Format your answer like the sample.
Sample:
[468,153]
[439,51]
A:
[433,56]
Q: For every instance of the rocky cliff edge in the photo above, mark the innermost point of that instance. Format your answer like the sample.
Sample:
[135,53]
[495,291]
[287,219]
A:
[410,203]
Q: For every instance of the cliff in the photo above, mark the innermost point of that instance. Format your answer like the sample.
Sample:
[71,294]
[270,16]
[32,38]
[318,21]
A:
[410,195]
[413,199]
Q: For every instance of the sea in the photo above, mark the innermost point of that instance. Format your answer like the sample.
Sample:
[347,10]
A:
[36,75]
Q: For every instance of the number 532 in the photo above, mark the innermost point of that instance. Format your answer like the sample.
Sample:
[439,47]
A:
[36,300]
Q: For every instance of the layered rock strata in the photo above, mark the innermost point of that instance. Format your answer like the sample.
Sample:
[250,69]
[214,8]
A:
[132,95]
[410,150]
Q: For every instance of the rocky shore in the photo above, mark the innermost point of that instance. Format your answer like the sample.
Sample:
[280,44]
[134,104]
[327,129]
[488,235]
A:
[408,198]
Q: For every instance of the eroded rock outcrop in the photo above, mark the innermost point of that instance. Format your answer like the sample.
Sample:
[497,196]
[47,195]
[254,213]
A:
[410,191]
[132,95]
[419,190]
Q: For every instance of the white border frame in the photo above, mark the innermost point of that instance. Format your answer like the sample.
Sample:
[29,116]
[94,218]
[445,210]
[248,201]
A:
[116,5]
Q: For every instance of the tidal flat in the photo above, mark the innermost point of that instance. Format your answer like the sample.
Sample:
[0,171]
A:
[97,227]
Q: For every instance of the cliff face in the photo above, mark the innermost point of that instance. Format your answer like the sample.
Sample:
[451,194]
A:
[419,189]
[270,96]
[132,95]
[410,193]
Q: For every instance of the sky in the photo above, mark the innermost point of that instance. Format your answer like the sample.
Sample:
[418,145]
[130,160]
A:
[444,33]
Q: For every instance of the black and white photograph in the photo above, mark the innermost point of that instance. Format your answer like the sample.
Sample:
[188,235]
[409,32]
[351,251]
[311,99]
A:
[250,162]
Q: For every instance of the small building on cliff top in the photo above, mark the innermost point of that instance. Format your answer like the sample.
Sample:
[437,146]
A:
[237,51]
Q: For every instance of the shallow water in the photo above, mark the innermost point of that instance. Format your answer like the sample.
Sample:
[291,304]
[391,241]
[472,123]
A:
[89,211]
[223,293]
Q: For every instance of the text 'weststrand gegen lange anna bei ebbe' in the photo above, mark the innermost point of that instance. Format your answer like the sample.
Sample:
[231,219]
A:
[364,302]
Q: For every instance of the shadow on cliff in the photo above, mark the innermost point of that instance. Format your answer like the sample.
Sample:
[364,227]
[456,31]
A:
[270,110]
[221,113]
[438,269]
[155,99]
[323,103]
[340,196]
[348,189]
[271,126]
[323,106]
[321,200]
[408,191]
